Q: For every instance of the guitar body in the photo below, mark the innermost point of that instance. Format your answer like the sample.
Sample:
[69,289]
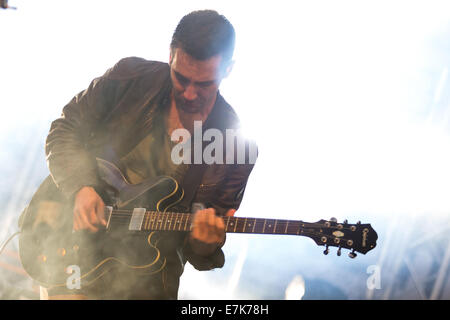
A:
[50,251]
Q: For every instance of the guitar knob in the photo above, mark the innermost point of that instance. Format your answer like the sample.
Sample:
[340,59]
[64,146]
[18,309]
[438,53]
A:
[61,252]
[326,251]
[339,252]
[352,254]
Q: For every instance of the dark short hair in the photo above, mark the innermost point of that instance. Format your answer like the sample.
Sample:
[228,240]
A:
[203,34]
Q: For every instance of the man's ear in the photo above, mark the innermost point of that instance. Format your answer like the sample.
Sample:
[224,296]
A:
[228,69]
[170,56]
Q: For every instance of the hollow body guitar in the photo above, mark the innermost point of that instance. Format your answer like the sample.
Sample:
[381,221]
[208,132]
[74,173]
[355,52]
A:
[138,220]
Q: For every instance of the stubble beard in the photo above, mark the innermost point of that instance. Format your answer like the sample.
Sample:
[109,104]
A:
[189,107]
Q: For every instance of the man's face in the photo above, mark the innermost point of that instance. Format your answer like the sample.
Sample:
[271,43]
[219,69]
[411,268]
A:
[195,82]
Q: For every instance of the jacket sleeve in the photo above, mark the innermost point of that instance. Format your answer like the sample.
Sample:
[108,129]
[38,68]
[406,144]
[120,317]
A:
[70,164]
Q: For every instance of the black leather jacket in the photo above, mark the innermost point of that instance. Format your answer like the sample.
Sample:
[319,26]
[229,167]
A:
[111,116]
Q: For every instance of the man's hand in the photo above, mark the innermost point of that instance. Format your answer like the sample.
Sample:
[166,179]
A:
[88,211]
[207,232]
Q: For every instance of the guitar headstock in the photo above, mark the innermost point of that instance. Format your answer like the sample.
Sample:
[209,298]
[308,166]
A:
[357,237]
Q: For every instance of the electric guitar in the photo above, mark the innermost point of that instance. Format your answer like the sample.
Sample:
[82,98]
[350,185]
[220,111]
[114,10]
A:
[138,218]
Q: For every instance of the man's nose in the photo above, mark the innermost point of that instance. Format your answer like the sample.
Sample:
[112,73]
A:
[190,92]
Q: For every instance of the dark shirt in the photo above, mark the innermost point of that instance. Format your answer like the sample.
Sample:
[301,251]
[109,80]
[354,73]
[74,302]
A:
[120,118]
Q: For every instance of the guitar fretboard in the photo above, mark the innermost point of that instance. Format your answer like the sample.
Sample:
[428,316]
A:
[173,221]
[359,237]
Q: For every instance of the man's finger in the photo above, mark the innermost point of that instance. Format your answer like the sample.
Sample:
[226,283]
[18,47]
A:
[85,222]
[75,223]
[211,217]
[93,216]
[220,224]
[101,212]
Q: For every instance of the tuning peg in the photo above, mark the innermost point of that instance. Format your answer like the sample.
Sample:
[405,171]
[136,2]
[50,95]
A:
[345,221]
[326,251]
[333,219]
[359,222]
[352,254]
[339,251]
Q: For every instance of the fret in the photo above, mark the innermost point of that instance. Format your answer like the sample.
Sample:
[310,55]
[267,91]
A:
[275,226]
[241,224]
[188,222]
[301,227]
[151,220]
[147,218]
[165,219]
[287,223]
[228,221]
[264,227]
[245,224]
[150,215]
[154,213]
[270,225]
[169,219]
[180,222]
[172,218]
[177,221]
[157,220]
[143,221]
[160,220]
[235,224]
[254,224]
[185,224]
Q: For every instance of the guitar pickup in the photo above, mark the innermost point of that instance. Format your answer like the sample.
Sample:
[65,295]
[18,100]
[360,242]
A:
[137,218]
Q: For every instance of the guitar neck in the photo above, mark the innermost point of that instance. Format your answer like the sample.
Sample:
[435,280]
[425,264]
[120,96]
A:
[173,221]
[359,237]
[263,226]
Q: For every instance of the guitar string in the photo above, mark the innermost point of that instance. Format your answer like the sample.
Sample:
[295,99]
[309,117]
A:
[129,213]
[290,228]
[312,234]
[163,218]
[126,214]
